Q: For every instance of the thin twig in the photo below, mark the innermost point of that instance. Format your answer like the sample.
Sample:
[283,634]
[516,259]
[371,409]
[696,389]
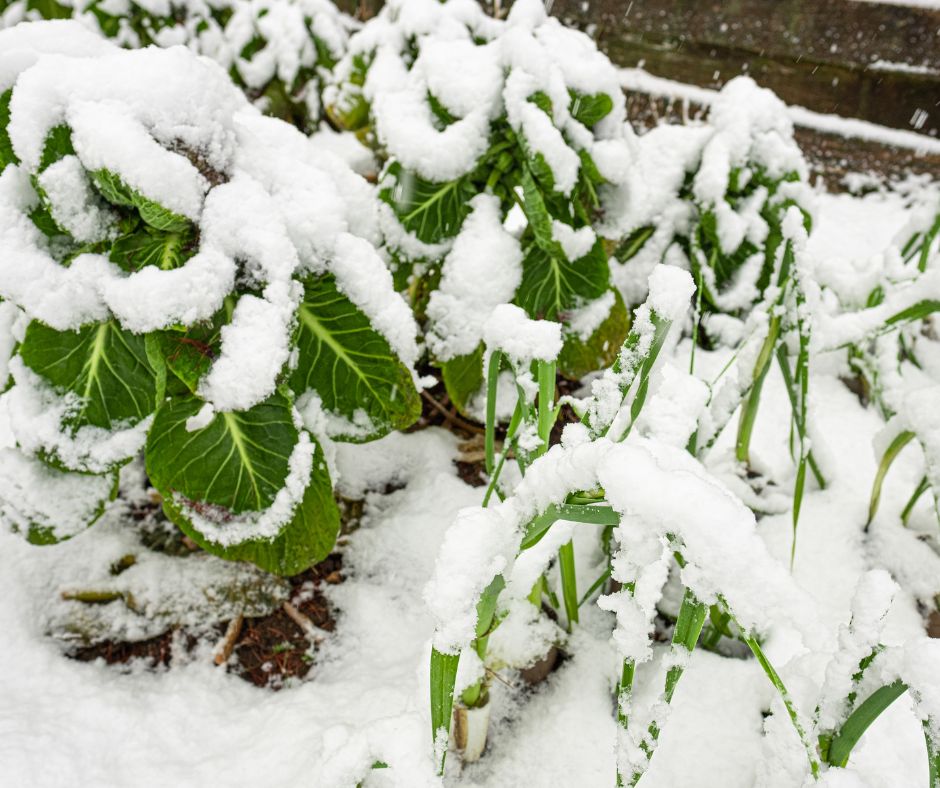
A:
[308,627]
[499,678]
[224,650]
[451,418]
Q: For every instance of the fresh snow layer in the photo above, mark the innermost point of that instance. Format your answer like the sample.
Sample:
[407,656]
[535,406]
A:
[366,698]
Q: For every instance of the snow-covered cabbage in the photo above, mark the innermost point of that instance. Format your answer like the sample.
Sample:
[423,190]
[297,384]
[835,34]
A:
[278,51]
[501,138]
[184,276]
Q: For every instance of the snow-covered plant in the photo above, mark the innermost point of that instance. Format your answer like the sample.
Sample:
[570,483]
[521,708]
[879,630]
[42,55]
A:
[918,419]
[278,51]
[500,140]
[728,201]
[185,278]
[282,52]
[606,473]
[864,677]
[713,197]
[884,321]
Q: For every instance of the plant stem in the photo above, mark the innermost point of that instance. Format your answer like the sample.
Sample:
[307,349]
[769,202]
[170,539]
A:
[569,587]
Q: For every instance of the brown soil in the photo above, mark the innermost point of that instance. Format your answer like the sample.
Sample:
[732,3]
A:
[156,652]
[274,649]
[269,651]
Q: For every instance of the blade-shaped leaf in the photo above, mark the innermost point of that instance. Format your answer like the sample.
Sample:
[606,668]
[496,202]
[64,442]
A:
[894,449]
[104,364]
[551,285]
[350,365]
[918,311]
[443,680]
[432,211]
[863,716]
[307,538]
[238,461]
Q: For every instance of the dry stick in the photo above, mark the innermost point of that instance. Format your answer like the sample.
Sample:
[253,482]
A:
[224,650]
[308,627]
[449,417]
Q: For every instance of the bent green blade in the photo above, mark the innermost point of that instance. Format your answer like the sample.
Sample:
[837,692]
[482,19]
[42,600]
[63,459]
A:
[891,453]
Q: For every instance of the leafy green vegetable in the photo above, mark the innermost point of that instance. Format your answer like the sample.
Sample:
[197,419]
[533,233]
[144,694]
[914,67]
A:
[104,364]
[551,285]
[238,461]
[432,211]
[350,365]
[149,246]
[307,538]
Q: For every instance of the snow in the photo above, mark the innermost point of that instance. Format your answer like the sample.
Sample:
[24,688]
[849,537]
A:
[638,79]
[481,271]
[425,547]
[366,695]
[522,339]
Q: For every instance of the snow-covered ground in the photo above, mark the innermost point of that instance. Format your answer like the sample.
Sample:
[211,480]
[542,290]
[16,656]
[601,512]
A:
[67,723]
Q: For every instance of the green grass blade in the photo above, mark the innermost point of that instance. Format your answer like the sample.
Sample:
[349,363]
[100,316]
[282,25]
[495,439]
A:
[790,386]
[661,331]
[890,455]
[859,720]
[927,243]
[546,417]
[684,637]
[594,586]
[781,688]
[922,487]
[639,366]
[443,679]
[688,628]
[933,753]
[742,447]
[514,423]
[492,378]
[569,585]
[591,515]
[918,311]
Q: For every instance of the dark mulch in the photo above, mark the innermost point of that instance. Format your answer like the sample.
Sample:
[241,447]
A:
[269,651]
[273,649]
[472,473]
[156,652]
